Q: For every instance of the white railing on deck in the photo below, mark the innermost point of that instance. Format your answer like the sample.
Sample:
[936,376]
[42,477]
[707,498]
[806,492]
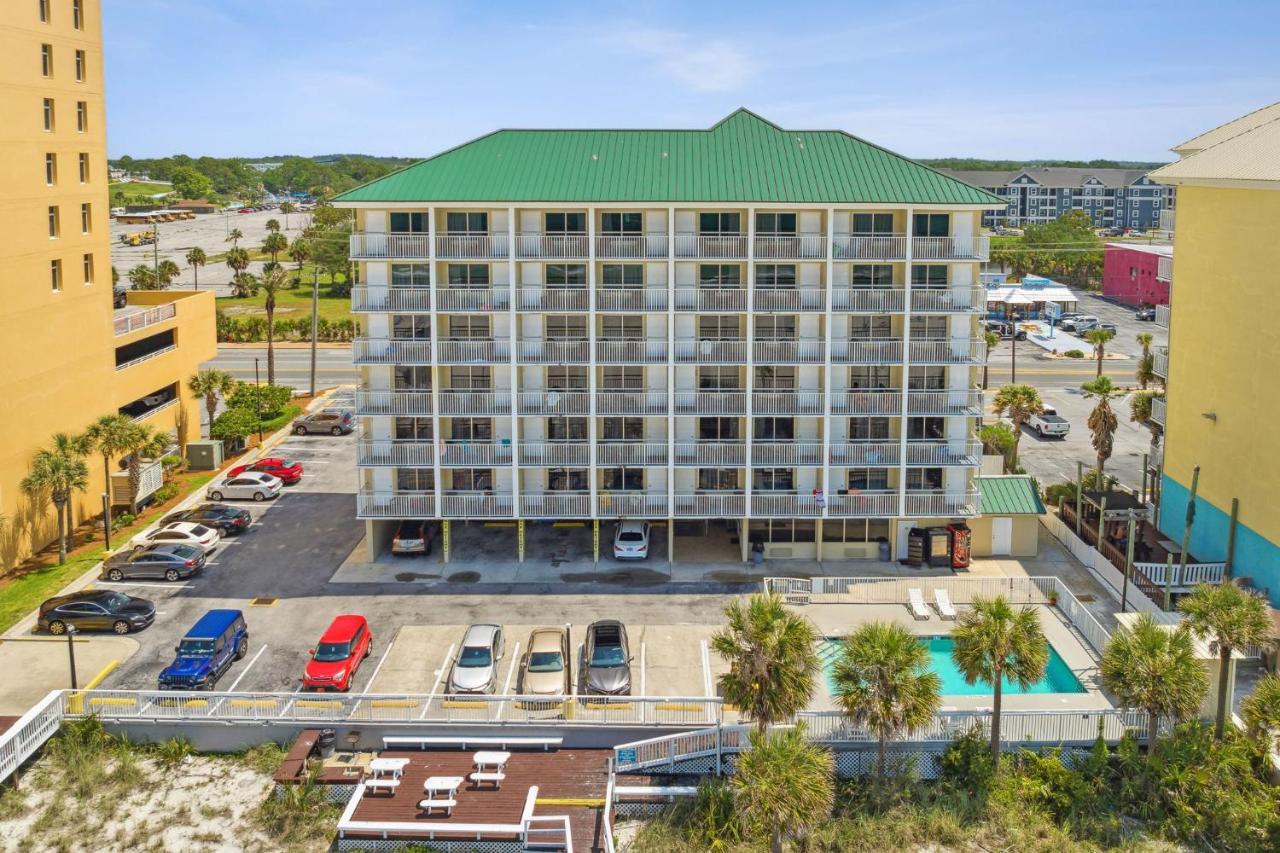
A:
[141,319]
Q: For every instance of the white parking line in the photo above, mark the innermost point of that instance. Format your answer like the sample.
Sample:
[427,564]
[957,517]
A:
[378,668]
[426,706]
[506,688]
[245,672]
[582,667]
[120,584]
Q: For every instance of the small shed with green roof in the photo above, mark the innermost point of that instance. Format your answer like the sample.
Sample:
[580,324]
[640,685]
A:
[1010,522]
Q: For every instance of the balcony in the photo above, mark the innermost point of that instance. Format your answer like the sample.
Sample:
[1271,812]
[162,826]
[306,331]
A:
[367,246]
[786,402]
[620,402]
[953,402]
[402,300]
[555,352]
[711,299]
[954,452]
[631,299]
[631,246]
[464,453]
[555,453]
[729,453]
[395,505]
[711,352]
[472,246]
[791,247]
[1160,362]
[476,504]
[555,505]
[711,403]
[950,300]
[950,248]
[786,453]
[870,247]
[393,402]
[883,351]
[785,504]
[789,299]
[467,351]
[1164,268]
[457,401]
[789,352]
[854,402]
[552,246]
[949,351]
[631,453]
[390,351]
[631,505]
[869,300]
[728,246]
[866,453]
[554,299]
[711,505]
[552,402]
[631,352]
[863,504]
[942,504]
[1162,316]
[473,299]
[1159,410]
[395,453]
[141,319]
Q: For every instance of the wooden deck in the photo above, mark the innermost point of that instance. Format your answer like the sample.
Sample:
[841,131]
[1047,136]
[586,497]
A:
[575,775]
[6,723]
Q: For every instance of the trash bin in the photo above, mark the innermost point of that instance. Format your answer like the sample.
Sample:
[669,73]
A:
[326,742]
[884,550]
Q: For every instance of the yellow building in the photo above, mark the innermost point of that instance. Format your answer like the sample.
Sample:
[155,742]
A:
[1224,354]
[67,360]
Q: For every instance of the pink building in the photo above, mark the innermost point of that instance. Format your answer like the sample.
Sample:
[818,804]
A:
[1137,274]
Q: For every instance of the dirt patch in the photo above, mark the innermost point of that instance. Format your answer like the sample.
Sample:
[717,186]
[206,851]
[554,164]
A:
[464,577]
[626,577]
[724,576]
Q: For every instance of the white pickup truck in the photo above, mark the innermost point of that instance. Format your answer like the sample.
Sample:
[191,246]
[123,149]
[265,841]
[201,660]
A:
[1050,424]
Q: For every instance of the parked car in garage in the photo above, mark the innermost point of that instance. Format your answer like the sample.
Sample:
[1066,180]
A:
[415,536]
[631,541]
[475,670]
[289,471]
[230,520]
[608,659]
[545,670]
[168,561]
[332,421]
[186,532]
[95,610]
[251,485]
[342,648]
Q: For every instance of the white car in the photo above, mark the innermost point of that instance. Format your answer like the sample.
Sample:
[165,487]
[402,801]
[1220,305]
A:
[475,670]
[631,541]
[250,485]
[184,532]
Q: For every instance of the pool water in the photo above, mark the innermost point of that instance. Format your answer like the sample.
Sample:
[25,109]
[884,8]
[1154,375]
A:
[1058,677]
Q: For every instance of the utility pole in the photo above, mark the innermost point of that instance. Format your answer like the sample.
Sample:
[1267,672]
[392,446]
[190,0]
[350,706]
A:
[257,407]
[1013,354]
[315,324]
[1079,493]
[155,252]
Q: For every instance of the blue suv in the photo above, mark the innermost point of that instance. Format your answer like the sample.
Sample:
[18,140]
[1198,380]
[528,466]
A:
[207,651]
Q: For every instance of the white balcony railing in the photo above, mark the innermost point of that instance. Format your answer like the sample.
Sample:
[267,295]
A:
[390,351]
[382,246]
[142,319]
[786,402]
[473,299]
[711,299]
[555,505]
[464,453]
[626,246]
[553,402]
[711,505]
[1162,316]
[472,246]
[729,453]
[786,453]
[555,352]
[942,504]
[403,300]
[711,352]
[1159,410]
[555,453]
[950,248]
[867,352]
[791,247]
[536,245]
[476,504]
[631,299]
[866,453]
[789,352]
[863,504]
[631,453]
[455,401]
[409,454]
[554,299]
[946,300]
[393,402]
[869,300]
[957,401]
[631,505]
[474,352]
[371,504]
[944,452]
[787,504]
[1160,362]
[631,352]
[950,351]
[710,403]
[870,247]
[620,402]
[856,402]
[711,245]
[789,299]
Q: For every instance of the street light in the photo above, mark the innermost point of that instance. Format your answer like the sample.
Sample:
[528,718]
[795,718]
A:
[257,407]
[71,653]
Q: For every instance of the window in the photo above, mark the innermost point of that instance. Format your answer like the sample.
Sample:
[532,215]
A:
[467,223]
[872,224]
[868,479]
[931,224]
[776,224]
[623,479]
[46,60]
[775,276]
[408,223]
[621,223]
[567,429]
[872,275]
[927,379]
[88,269]
[564,378]
[928,275]
[86,218]
[55,275]
[717,479]
[77,14]
[82,116]
[925,428]
[566,223]
[718,379]
[775,378]
[471,378]
[868,429]
[770,327]
[415,378]
[84,168]
[468,327]
[924,478]
[928,328]
[566,275]
[718,429]
[718,327]
[622,429]
[774,429]
[719,275]
[53,220]
[622,275]
[80,66]
[562,328]
[472,429]
[622,328]
[714,224]
[773,480]
[410,275]
[51,169]
[622,378]
[870,328]
[48,114]
[44,11]
[468,275]
[411,327]
[413,429]
[415,480]
[568,480]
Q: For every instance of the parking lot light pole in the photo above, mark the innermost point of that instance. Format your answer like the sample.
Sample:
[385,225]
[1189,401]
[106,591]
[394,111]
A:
[257,397]
[71,653]
[315,323]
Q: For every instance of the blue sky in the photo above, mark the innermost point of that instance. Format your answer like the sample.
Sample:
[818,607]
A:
[1021,80]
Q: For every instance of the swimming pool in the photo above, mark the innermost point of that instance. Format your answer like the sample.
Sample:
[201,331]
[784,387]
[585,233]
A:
[1058,677]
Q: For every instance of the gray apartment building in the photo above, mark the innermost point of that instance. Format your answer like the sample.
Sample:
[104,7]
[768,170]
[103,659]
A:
[1113,198]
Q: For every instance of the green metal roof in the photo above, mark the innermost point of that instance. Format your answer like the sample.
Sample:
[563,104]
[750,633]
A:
[742,159]
[1009,495]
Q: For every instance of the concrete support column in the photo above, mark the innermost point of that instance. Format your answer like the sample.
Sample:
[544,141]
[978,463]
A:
[817,539]
[444,540]
[671,541]
[742,540]
[520,540]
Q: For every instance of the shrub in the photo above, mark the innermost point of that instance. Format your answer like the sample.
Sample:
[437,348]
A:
[273,399]
[167,492]
[233,424]
[121,521]
[1074,353]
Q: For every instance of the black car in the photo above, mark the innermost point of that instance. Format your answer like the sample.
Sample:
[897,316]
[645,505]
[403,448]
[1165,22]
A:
[607,658]
[1147,314]
[96,610]
[229,520]
[171,561]
[119,296]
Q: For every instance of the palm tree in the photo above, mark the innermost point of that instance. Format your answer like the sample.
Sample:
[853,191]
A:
[287,207]
[56,474]
[772,663]
[211,383]
[1019,402]
[196,258]
[1146,362]
[1099,338]
[998,438]
[1102,420]
[142,442]
[782,786]
[883,681]
[234,236]
[273,226]
[274,244]
[238,261]
[1156,670]
[993,340]
[1261,712]
[110,436]
[299,251]
[1231,618]
[992,642]
[272,282]
[142,277]
[167,271]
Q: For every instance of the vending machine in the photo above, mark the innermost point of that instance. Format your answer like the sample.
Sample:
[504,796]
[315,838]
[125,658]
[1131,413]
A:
[961,544]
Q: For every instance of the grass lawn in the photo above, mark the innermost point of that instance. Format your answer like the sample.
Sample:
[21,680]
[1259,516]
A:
[291,304]
[137,188]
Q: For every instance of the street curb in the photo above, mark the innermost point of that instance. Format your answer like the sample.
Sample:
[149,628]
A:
[27,624]
[290,345]
[102,674]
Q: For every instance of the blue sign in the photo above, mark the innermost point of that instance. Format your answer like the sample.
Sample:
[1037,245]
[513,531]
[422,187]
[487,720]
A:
[626,756]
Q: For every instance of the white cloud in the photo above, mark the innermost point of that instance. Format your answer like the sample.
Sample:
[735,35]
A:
[715,65]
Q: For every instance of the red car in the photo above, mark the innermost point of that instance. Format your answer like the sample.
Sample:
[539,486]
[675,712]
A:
[343,647]
[288,471]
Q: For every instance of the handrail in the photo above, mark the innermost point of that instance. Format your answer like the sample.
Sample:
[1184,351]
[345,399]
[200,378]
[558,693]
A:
[141,319]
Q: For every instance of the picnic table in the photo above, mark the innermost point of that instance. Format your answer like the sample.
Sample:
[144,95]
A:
[393,766]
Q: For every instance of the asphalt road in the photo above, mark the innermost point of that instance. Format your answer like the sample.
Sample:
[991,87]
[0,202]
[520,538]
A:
[293,365]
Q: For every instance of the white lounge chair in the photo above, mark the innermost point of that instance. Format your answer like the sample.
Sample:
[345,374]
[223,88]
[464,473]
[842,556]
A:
[918,608]
[945,608]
